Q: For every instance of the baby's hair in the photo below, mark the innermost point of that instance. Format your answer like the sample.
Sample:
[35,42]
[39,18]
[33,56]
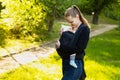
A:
[73,11]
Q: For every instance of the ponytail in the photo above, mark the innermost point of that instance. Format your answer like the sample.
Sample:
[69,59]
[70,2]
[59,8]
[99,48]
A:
[73,11]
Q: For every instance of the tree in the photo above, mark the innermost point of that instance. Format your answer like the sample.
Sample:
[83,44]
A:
[98,6]
[51,13]
[56,8]
[53,7]
[95,7]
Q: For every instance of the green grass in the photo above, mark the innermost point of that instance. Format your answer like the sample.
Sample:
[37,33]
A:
[45,69]
[103,58]
[102,62]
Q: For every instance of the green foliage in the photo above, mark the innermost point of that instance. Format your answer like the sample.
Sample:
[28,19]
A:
[1,7]
[32,18]
[4,32]
[95,7]
[56,8]
[26,17]
[2,36]
[88,6]
[51,12]
[112,11]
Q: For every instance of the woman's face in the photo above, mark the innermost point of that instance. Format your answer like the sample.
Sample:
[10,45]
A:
[73,21]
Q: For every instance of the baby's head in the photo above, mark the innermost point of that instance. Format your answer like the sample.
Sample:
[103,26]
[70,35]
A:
[65,28]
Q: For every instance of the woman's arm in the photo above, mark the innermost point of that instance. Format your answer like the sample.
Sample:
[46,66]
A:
[83,40]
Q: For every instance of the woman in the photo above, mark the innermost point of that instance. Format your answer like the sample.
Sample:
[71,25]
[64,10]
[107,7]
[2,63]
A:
[76,44]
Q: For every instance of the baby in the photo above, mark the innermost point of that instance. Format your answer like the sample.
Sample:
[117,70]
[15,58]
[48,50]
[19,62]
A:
[72,56]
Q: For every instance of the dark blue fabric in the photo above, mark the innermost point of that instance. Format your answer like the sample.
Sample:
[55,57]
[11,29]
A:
[66,38]
[74,42]
[71,73]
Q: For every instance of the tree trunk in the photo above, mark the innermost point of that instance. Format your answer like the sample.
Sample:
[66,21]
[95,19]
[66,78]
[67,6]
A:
[95,18]
[50,25]
[51,22]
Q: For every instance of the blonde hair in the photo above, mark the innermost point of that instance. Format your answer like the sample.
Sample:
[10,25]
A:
[73,11]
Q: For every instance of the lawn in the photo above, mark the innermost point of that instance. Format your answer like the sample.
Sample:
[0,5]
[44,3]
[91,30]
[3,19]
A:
[102,62]
[103,58]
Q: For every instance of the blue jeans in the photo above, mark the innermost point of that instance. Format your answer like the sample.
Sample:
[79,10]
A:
[69,72]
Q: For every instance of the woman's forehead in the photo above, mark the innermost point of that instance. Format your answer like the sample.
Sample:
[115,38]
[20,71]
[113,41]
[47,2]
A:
[70,18]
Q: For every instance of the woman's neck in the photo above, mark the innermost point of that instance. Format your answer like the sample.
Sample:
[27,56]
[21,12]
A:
[79,24]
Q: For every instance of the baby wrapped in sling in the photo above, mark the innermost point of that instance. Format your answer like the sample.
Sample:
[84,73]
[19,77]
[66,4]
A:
[65,40]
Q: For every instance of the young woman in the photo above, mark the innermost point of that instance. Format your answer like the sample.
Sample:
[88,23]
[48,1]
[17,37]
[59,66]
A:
[77,43]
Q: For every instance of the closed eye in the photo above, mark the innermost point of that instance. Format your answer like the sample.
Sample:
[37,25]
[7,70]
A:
[71,22]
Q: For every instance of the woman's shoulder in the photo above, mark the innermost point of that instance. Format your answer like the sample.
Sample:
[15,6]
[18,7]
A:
[84,27]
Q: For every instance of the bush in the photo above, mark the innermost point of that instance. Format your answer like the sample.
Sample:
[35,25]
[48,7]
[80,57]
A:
[4,31]
[112,11]
[2,36]
[26,17]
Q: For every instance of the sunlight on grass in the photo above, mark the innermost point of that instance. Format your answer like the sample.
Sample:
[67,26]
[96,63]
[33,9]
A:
[50,69]
[102,58]
[44,69]
[96,71]
[14,46]
[106,54]
[101,62]
[20,44]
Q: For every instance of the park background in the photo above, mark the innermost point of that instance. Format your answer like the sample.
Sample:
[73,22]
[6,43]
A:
[28,23]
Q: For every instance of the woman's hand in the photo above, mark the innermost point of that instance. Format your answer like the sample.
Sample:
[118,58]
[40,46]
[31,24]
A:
[57,44]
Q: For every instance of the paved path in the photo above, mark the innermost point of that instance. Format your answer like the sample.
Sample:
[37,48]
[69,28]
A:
[9,63]
[102,30]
